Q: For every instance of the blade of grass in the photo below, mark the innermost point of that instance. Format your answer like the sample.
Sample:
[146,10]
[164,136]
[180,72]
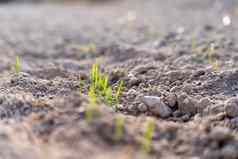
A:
[148,135]
[109,96]
[17,66]
[118,93]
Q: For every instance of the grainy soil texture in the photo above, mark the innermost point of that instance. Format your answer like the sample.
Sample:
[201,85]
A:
[132,79]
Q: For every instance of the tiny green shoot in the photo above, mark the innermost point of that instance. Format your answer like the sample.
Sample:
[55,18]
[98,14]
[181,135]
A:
[211,52]
[92,107]
[101,88]
[109,96]
[103,84]
[94,75]
[17,66]
[215,65]
[119,90]
[118,93]
[211,59]
[92,96]
[148,135]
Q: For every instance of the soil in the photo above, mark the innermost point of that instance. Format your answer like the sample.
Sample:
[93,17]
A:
[178,59]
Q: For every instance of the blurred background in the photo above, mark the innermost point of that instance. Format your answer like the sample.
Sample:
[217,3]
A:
[51,28]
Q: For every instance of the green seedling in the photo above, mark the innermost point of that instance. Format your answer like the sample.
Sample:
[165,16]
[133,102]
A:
[92,107]
[211,59]
[17,67]
[103,84]
[148,135]
[92,96]
[101,88]
[211,52]
[119,90]
[94,75]
[109,96]
[119,127]
[118,93]
[215,65]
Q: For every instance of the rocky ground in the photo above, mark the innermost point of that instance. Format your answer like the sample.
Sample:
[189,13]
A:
[178,59]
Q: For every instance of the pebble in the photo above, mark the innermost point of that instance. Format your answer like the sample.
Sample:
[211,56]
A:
[185,118]
[171,99]
[175,89]
[132,108]
[215,109]
[177,113]
[220,134]
[203,104]
[187,88]
[142,107]
[142,69]
[231,107]
[134,81]
[229,151]
[157,106]
[234,123]
[186,104]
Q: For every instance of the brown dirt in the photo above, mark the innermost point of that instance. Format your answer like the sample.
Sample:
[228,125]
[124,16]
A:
[159,48]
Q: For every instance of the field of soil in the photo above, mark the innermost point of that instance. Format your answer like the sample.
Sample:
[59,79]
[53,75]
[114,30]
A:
[177,58]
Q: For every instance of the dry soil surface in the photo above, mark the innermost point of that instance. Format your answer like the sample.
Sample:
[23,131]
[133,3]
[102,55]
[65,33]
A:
[178,58]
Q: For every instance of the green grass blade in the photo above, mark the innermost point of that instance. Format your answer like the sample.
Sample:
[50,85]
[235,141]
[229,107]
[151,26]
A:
[148,135]
[17,66]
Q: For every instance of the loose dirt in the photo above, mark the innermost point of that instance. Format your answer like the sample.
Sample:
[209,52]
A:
[177,58]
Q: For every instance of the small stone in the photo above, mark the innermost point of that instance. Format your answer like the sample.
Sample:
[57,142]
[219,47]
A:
[216,109]
[203,104]
[132,93]
[231,107]
[187,88]
[141,69]
[177,113]
[186,104]
[132,108]
[229,151]
[142,107]
[157,106]
[185,118]
[117,74]
[174,75]
[220,134]
[233,123]
[134,81]
[171,99]
[175,89]
[208,27]
[199,73]
[219,117]
[197,117]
